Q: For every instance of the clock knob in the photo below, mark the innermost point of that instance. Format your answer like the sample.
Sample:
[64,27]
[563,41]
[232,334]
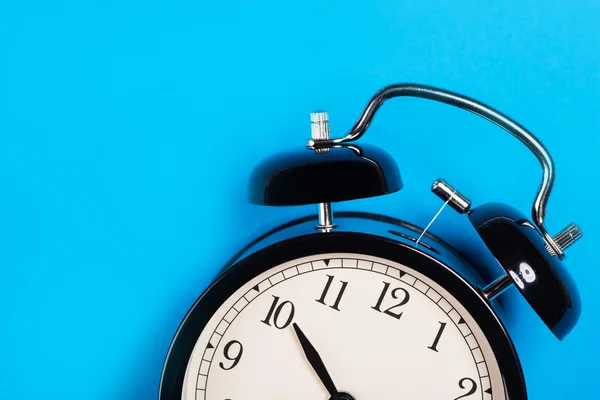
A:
[323,174]
[566,237]
[320,125]
[320,129]
[447,193]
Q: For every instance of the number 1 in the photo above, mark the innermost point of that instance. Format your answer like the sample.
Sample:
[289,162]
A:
[437,337]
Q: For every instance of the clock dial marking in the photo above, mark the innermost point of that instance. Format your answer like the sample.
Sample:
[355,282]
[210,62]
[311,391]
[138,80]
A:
[464,383]
[287,307]
[438,336]
[231,355]
[230,315]
[277,304]
[339,295]
[433,295]
[397,293]
[293,271]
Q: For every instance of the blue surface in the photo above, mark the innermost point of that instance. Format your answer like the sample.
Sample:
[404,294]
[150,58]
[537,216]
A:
[127,130]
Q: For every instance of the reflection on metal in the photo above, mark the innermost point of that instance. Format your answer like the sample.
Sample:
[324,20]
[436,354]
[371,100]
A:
[320,128]
[447,193]
[565,238]
[325,218]
[497,287]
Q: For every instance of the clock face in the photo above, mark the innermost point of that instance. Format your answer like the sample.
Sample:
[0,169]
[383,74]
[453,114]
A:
[381,331]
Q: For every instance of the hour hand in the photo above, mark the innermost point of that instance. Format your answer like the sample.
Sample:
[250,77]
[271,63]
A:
[315,361]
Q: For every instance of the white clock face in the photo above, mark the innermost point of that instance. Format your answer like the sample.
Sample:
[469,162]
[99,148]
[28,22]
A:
[381,330]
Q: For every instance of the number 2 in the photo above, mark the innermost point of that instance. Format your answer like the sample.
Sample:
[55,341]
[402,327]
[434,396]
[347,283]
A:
[461,383]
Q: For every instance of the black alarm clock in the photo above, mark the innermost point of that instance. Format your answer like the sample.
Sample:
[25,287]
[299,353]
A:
[363,306]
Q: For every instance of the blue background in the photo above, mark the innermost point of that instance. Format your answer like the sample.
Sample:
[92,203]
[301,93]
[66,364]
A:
[128,129]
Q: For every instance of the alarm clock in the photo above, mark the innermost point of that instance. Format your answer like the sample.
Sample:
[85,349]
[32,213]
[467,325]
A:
[355,305]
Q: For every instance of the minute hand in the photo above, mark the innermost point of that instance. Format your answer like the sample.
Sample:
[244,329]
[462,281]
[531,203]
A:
[315,361]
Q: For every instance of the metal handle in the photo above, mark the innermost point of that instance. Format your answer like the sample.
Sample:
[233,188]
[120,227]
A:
[466,103]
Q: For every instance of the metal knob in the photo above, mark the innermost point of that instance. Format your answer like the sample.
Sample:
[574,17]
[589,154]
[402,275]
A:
[320,131]
[320,125]
[565,238]
[447,193]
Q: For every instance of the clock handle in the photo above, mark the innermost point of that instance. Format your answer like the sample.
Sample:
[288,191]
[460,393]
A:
[476,107]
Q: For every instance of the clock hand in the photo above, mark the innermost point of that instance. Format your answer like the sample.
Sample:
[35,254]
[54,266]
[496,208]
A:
[315,361]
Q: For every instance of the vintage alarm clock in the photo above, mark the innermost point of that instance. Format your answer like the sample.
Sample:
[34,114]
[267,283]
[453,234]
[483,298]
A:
[355,305]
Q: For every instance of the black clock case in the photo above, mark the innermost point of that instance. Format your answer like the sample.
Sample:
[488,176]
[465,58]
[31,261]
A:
[360,232]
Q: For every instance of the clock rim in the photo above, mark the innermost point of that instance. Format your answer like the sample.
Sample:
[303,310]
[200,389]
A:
[231,279]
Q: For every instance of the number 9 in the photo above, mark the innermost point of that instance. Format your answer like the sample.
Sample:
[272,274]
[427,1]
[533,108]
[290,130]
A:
[234,358]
